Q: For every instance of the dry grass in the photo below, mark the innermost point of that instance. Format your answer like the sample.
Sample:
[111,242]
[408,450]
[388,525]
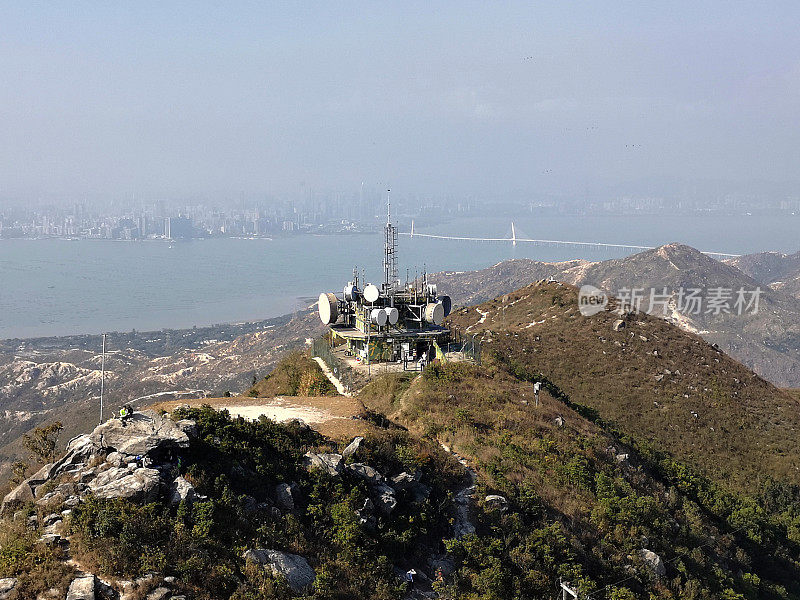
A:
[651,379]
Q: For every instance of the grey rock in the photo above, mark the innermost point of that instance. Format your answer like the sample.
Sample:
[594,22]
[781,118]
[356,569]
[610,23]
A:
[160,593]
[283,496]
[41,475]
[50,539]
[352,447]
[496,502]
[385,500]
[50,499]
[366,473]
[181,490]
[6,585]
[294,568]
[140,485]
[54,527]
[404,481]
[116,459]
[330,463]
[188,427]
[51,518]
[653,561]
[366,514]
[143,432]
[19,495]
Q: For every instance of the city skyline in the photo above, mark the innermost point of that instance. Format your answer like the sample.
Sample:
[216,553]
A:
[193,100]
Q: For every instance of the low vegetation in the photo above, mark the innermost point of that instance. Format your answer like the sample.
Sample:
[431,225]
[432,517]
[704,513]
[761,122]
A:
[296,375]
[585,501]
[237,464]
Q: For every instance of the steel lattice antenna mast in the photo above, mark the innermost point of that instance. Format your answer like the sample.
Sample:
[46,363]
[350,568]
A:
[389,253]
[102,377]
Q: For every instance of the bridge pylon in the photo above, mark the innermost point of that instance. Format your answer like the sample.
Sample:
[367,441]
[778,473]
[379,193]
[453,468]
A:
[513,234]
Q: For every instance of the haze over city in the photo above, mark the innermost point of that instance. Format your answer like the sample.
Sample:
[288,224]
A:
[199,101]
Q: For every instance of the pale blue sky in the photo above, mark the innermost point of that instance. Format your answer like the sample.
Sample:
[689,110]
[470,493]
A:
[201,99]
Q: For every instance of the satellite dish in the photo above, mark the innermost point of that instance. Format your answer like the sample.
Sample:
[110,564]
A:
[393,315]
[371,293]
[379,316]
[328,307]
[434,313]
[447,304]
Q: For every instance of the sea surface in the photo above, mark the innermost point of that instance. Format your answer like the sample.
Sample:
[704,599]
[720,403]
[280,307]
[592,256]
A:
[60,287]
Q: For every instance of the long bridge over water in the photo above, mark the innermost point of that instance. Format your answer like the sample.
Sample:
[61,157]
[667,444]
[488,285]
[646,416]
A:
[514,240]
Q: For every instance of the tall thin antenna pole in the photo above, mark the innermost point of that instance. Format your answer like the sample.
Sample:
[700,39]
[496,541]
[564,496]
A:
[102,377]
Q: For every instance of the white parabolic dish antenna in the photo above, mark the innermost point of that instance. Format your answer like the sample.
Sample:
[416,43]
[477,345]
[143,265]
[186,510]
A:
[328,308]
[393,314]
[371,293]
[434,313]
[379,316]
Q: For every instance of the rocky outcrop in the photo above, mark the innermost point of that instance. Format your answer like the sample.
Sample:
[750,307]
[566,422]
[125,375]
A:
[143,433]
[495,502]
[119,455]
[138,485]
[294,568]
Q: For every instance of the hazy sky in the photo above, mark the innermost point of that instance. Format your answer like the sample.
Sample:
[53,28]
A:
[195,99]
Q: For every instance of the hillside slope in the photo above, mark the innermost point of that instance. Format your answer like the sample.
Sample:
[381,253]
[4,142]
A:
[485,497]
[652,379]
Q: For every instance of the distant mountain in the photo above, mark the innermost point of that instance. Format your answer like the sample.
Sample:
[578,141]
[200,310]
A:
[779,271]
[768,342]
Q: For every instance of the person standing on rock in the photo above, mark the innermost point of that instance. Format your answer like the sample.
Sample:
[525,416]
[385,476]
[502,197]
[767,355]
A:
[124,414]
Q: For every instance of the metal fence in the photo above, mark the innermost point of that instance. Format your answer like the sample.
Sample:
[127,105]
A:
[321,348]
[468,344]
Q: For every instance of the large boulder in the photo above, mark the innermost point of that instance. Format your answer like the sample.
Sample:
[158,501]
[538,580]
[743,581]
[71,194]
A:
[352,447]
[142,433]
[139,485]
[385,500]
[6,586]
[366,473]
[181,490]
[82,588]
[19,495]
[330,463]
[495,502]
[284,497]
[406,482]
[294,568]
[653,561]
[188,427]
